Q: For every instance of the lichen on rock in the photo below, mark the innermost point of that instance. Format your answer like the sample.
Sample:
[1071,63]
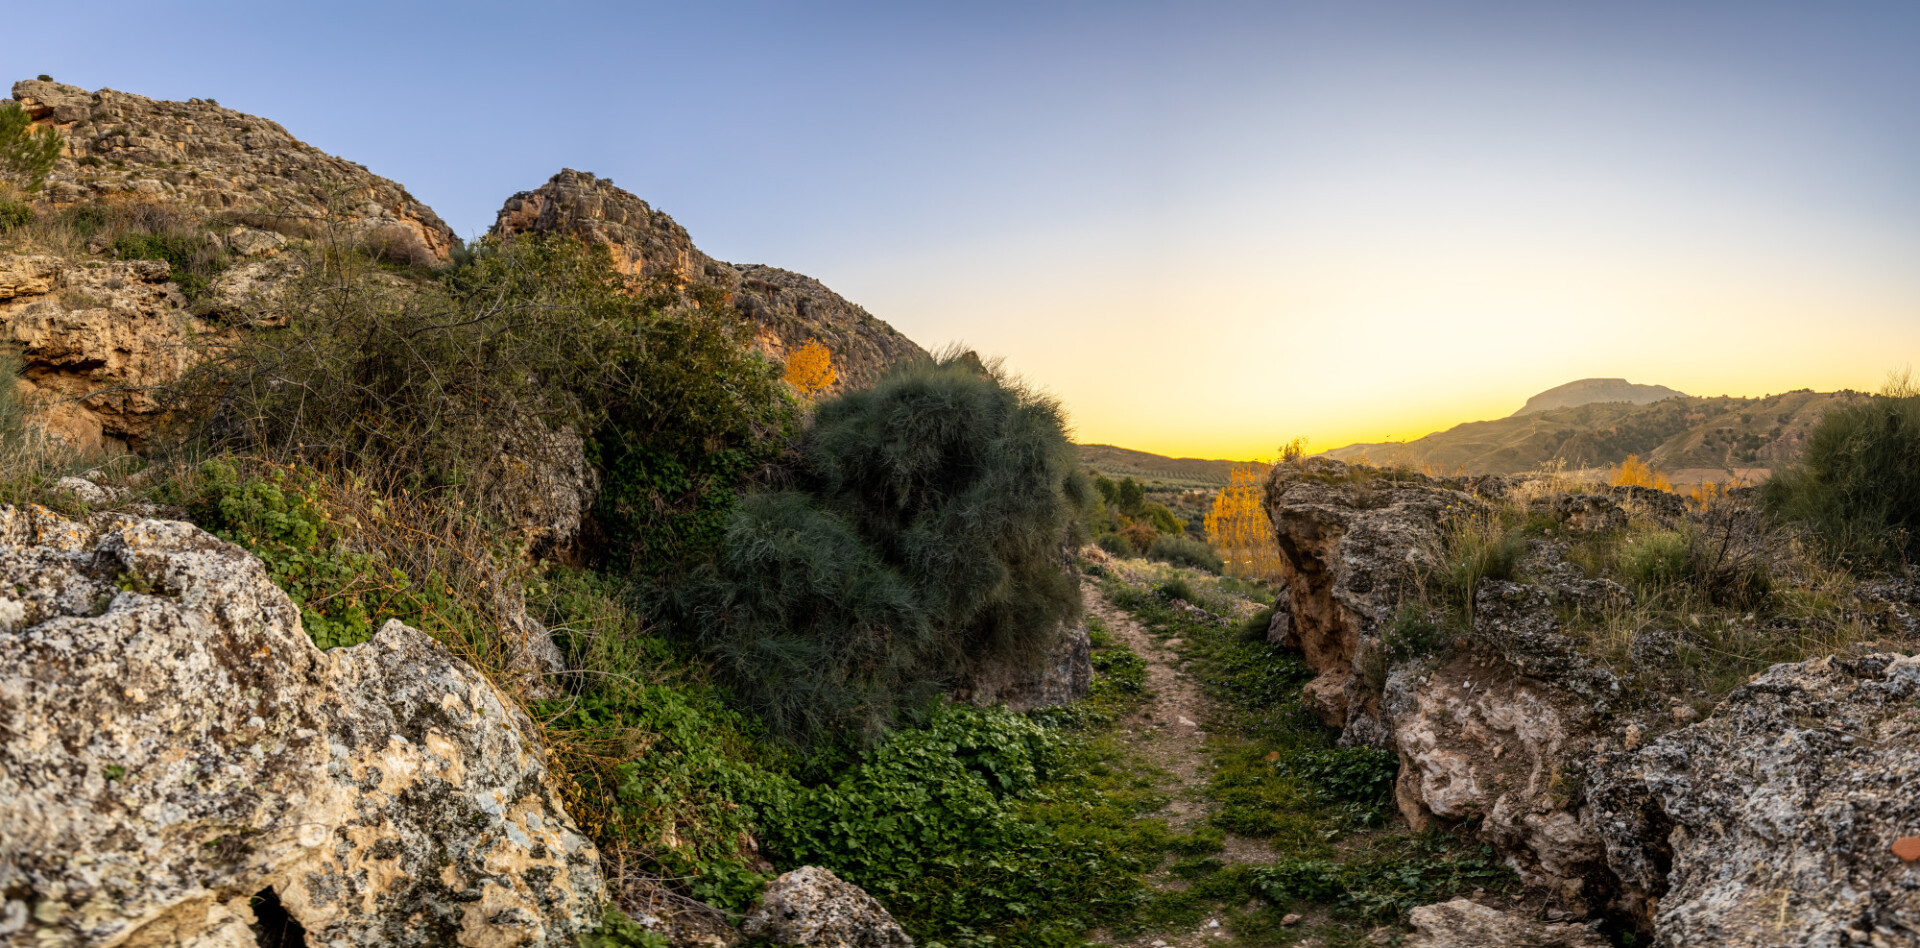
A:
[174,749]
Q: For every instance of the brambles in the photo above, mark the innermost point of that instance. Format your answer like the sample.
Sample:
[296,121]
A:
[810,369]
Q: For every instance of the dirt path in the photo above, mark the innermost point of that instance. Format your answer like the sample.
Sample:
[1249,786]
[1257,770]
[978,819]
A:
[1169,732]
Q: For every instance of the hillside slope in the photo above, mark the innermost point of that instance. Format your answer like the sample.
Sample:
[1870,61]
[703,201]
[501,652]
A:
[1730,437]
[1150,468]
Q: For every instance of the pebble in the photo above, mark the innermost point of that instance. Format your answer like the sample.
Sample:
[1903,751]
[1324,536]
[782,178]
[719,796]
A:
[1187,723]
[1292,918]
[1907,848]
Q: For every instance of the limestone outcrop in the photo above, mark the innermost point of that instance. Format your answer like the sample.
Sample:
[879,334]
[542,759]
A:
[1773,821]
[96,340]
[1464,924]
[1349,553]
[1061,678]
[179,765]
[212,159]
[787,309]
[811,907]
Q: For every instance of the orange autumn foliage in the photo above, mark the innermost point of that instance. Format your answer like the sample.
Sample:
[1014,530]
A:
[810,368]
[1634,472]
[1238,527]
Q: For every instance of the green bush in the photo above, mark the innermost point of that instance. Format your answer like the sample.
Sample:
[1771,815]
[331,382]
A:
[27,155]
[924,535]
[1858,485]
[458,385]
[14,214]
[1181,551]
[1176,589]
[1115,544]
[194,256]
[1656,559]
[1160,518]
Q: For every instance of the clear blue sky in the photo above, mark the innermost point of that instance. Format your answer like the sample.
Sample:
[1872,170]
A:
[1207,227]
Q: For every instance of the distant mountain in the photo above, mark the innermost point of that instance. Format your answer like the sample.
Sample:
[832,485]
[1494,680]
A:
[1692,439]
[1149,469]
[1588,391]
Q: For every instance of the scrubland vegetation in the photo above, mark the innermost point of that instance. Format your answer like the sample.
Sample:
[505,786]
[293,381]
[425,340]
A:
[775,589]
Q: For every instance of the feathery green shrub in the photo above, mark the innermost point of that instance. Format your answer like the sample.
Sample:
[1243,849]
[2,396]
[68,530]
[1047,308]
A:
[925,535]
[1182,551]
[1858,485]
[27,155]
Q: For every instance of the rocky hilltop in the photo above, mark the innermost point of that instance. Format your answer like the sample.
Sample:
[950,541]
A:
[100,332]
[787,308]
[128,147]
[1588,391]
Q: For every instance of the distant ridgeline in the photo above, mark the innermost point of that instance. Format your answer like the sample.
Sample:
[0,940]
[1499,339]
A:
[1599,422]
[1154,469]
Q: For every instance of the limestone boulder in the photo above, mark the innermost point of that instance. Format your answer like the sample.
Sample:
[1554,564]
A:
[1349,554]
[811,907]
[1464,924]
[1064,676]
[1774,821]
[1485,746]
[179,765]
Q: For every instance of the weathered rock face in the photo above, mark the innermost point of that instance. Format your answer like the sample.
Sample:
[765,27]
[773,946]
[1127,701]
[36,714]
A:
[1464,924]
[1348,555]
[200,155]
[95,340]
[1771,822]
[811,907]
[1478,741]
[172,747]
[1062,678]
[786,308]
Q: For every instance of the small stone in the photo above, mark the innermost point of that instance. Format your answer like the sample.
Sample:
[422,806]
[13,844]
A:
[1684,715]
[1631,738]
[1292,918]
[1907,848]
[1184,722]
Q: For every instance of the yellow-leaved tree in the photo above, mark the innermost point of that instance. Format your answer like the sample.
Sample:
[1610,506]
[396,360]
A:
[810,368]
[1634,472]
[1238,527]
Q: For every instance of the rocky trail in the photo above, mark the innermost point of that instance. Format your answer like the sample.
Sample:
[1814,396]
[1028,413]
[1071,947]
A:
[1168,733]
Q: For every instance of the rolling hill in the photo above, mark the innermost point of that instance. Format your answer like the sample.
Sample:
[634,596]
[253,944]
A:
[1690,438]
[1154,469]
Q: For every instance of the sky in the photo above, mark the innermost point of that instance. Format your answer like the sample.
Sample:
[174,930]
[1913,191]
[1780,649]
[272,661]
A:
[1207,228]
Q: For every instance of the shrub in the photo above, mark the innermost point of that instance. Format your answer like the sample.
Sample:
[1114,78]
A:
[1160,518]
[1140,536]
[1858,485]
[1656,559]
[1181,551]
[925,535]
[459,385]
[27,155]
[1478,548]
[1116,544]
[14,214]
[1176,589]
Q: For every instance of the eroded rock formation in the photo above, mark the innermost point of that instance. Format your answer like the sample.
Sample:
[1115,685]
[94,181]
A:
[1772,822]
[213,159]
[180,766]
[786,308]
